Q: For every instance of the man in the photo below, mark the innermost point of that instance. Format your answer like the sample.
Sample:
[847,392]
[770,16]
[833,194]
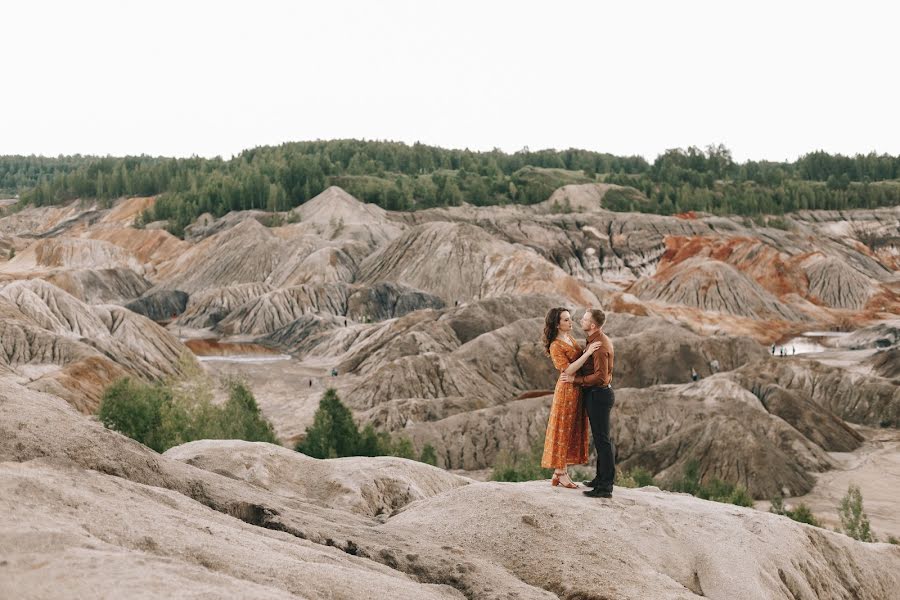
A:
[595,378]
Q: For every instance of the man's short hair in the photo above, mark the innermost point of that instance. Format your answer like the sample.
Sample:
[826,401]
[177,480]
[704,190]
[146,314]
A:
[597,316]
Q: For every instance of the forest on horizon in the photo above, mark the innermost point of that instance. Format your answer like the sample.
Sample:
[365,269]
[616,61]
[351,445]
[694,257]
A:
[398,176]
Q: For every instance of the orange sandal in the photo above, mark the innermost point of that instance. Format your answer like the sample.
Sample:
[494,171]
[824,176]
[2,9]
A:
[555,481]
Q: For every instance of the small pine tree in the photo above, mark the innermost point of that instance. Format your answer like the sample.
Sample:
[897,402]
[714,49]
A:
[854,521]
[333,432]
[241,418]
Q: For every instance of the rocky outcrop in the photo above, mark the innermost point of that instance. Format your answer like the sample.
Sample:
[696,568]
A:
[204,228]
[155,248]
[886,363]
[276,525]
[878,335]
[54,340]
[651,351]
[101,286]
[208,307]
[857,398]
[246,253]
[713,286]
[336,214]
[72,253]
[371,487]
[323,265]
[463,262]
[836,284]
[274,310]
[162,305]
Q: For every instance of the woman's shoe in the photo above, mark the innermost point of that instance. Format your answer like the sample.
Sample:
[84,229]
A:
[555,482]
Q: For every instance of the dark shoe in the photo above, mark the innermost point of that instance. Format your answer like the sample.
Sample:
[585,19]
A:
[598,493]
[591,484]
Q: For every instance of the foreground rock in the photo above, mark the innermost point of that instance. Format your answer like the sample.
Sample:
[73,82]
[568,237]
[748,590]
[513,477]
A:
[77,499]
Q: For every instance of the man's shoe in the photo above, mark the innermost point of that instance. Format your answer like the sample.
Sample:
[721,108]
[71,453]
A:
[598,493]
[591,484]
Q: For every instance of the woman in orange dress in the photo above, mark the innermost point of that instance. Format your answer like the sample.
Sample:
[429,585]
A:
[566,442]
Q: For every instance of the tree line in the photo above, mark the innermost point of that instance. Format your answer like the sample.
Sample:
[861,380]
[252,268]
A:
[398,176]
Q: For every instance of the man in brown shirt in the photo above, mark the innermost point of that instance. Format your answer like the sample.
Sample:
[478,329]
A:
[598,397]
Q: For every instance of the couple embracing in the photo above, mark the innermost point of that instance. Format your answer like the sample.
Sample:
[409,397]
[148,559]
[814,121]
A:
[583,395]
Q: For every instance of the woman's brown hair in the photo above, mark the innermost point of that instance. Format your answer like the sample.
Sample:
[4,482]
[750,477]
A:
[551,326]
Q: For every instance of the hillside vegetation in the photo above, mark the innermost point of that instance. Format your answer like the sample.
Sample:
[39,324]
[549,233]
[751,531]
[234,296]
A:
[398,176]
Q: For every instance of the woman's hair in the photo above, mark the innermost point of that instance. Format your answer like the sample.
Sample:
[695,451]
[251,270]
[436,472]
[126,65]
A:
[551,326]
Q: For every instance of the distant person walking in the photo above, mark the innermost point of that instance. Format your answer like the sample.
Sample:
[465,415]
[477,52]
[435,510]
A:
[566,442]
[694,374]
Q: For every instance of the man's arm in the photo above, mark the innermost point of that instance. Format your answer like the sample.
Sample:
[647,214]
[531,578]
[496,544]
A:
[601,367]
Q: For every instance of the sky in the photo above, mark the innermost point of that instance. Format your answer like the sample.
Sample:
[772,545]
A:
[770,80]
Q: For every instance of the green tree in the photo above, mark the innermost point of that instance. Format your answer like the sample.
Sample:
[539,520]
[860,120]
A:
[134,408]
[333,432]
[241,418]
[854,521]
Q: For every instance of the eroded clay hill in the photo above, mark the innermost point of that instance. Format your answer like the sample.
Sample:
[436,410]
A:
[432,320]
[231,519]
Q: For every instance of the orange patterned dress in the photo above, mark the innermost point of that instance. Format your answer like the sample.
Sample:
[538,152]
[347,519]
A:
[566,442]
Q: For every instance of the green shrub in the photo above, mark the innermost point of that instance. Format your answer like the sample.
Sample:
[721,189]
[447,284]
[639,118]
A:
[135,409]
[163,415]
[801,514]
[334,434]
[636,477]
[854,521]
[521,466]
[714,489]
[429,455]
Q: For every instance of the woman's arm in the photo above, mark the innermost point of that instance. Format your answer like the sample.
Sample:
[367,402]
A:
[573,367]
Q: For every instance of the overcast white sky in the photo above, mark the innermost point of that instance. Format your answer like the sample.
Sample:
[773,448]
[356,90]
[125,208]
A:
[768,79]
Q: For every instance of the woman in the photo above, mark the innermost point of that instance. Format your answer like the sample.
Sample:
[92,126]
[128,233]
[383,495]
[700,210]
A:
[566,442]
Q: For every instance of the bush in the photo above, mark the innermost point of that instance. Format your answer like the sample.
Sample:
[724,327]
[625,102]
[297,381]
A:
[521,466]
[168,414]
[333,434]
[854,521]
[429,455]
[135,409]
[636,477]
[801,514]
[714,489]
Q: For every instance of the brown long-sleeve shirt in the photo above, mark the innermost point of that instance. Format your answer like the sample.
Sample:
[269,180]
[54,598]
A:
[597,370]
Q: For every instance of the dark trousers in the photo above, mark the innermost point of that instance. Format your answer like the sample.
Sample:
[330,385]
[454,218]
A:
[599,403]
